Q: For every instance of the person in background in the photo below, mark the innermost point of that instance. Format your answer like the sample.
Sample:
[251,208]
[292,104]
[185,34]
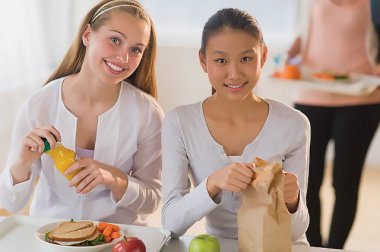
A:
[337,36]
[101,103]
[214,141]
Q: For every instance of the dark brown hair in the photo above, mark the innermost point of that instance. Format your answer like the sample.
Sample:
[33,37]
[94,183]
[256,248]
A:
[231,18]
[234,19]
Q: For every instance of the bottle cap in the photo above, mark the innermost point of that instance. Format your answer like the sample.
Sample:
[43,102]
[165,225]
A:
[47,144]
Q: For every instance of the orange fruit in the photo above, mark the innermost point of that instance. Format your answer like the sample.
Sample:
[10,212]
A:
[291,72]
[288,72]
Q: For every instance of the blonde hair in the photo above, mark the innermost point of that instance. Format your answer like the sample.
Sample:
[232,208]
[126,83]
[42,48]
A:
[144,77]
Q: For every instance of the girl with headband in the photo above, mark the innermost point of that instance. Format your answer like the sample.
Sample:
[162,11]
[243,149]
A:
[100,102]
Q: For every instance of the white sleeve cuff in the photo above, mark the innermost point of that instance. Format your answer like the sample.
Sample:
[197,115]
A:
[130,195]
[218,197]
[300,222]
[13,197]
[20,187]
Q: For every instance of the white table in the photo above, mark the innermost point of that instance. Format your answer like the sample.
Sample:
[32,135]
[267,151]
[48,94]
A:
[173,245]
[227,245]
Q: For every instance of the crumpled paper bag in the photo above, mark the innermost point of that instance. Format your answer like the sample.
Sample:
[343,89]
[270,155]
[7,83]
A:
[264,223]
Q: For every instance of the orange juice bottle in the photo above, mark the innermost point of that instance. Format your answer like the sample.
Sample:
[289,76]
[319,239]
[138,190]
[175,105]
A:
[63,158]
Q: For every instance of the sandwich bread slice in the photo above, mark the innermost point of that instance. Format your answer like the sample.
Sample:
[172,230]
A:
[70,227]
[73,232]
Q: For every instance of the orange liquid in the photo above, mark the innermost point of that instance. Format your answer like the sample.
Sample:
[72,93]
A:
[63,158]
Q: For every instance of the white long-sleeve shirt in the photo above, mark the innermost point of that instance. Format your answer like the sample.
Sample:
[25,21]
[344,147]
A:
[128,137]
[189,151]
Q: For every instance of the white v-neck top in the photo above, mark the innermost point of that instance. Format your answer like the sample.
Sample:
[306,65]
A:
[189,151]
[235,159]
[128,137]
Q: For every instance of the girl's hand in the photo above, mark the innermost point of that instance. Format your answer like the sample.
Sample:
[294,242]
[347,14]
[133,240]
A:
[377,70]
[291,191]
[93,173]
[234,177]
[32,145]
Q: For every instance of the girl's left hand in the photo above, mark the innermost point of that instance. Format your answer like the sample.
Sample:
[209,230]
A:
[92,173]
[291,191]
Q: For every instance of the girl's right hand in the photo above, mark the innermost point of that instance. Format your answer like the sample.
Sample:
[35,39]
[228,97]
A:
[32,145]
[234,177]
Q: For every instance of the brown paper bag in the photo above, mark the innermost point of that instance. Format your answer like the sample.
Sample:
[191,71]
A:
[264,223]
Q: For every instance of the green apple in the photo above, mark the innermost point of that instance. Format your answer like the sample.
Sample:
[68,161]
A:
[204,243]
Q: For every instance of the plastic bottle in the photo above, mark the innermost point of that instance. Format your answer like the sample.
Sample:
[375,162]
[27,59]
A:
[63,158]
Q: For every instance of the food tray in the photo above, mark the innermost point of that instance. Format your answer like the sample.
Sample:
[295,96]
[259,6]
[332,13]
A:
[357,84]
[17,233]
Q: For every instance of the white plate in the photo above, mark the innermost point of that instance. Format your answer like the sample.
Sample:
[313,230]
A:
[153,238]
[40,235]
[17,233]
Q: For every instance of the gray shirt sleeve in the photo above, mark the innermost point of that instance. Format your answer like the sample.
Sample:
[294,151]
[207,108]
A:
[295,162]
[179,213]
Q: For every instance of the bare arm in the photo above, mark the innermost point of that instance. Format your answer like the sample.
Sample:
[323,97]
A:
[295,48]
[377,69]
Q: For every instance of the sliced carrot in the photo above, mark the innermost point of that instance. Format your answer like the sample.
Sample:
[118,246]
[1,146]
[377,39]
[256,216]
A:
[115,228]
[108,239]
[102,226]
[324,76]
[107,231]
[115,235]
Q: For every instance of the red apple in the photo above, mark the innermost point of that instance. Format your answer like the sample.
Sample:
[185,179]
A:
[121,246]
[134,244]
[130,244]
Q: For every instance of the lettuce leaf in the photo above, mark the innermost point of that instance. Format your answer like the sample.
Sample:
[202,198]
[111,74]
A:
[99,240]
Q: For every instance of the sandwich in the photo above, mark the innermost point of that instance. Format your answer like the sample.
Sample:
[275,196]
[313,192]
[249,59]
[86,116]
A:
[75,233]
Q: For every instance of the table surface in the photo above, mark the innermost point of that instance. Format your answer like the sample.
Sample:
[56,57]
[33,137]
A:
[227,245]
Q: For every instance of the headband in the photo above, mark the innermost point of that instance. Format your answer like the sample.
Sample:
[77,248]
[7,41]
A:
[100,12]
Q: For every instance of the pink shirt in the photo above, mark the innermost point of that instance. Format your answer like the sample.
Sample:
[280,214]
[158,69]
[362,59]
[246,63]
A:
[337,42]
[84,153]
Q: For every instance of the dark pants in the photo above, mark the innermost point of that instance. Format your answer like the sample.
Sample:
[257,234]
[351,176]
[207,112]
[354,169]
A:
[352,129]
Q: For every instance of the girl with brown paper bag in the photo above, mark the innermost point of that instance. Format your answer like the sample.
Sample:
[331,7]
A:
[210,144]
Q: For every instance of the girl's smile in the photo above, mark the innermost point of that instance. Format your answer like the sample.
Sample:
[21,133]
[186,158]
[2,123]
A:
[236,87]
[114,68]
